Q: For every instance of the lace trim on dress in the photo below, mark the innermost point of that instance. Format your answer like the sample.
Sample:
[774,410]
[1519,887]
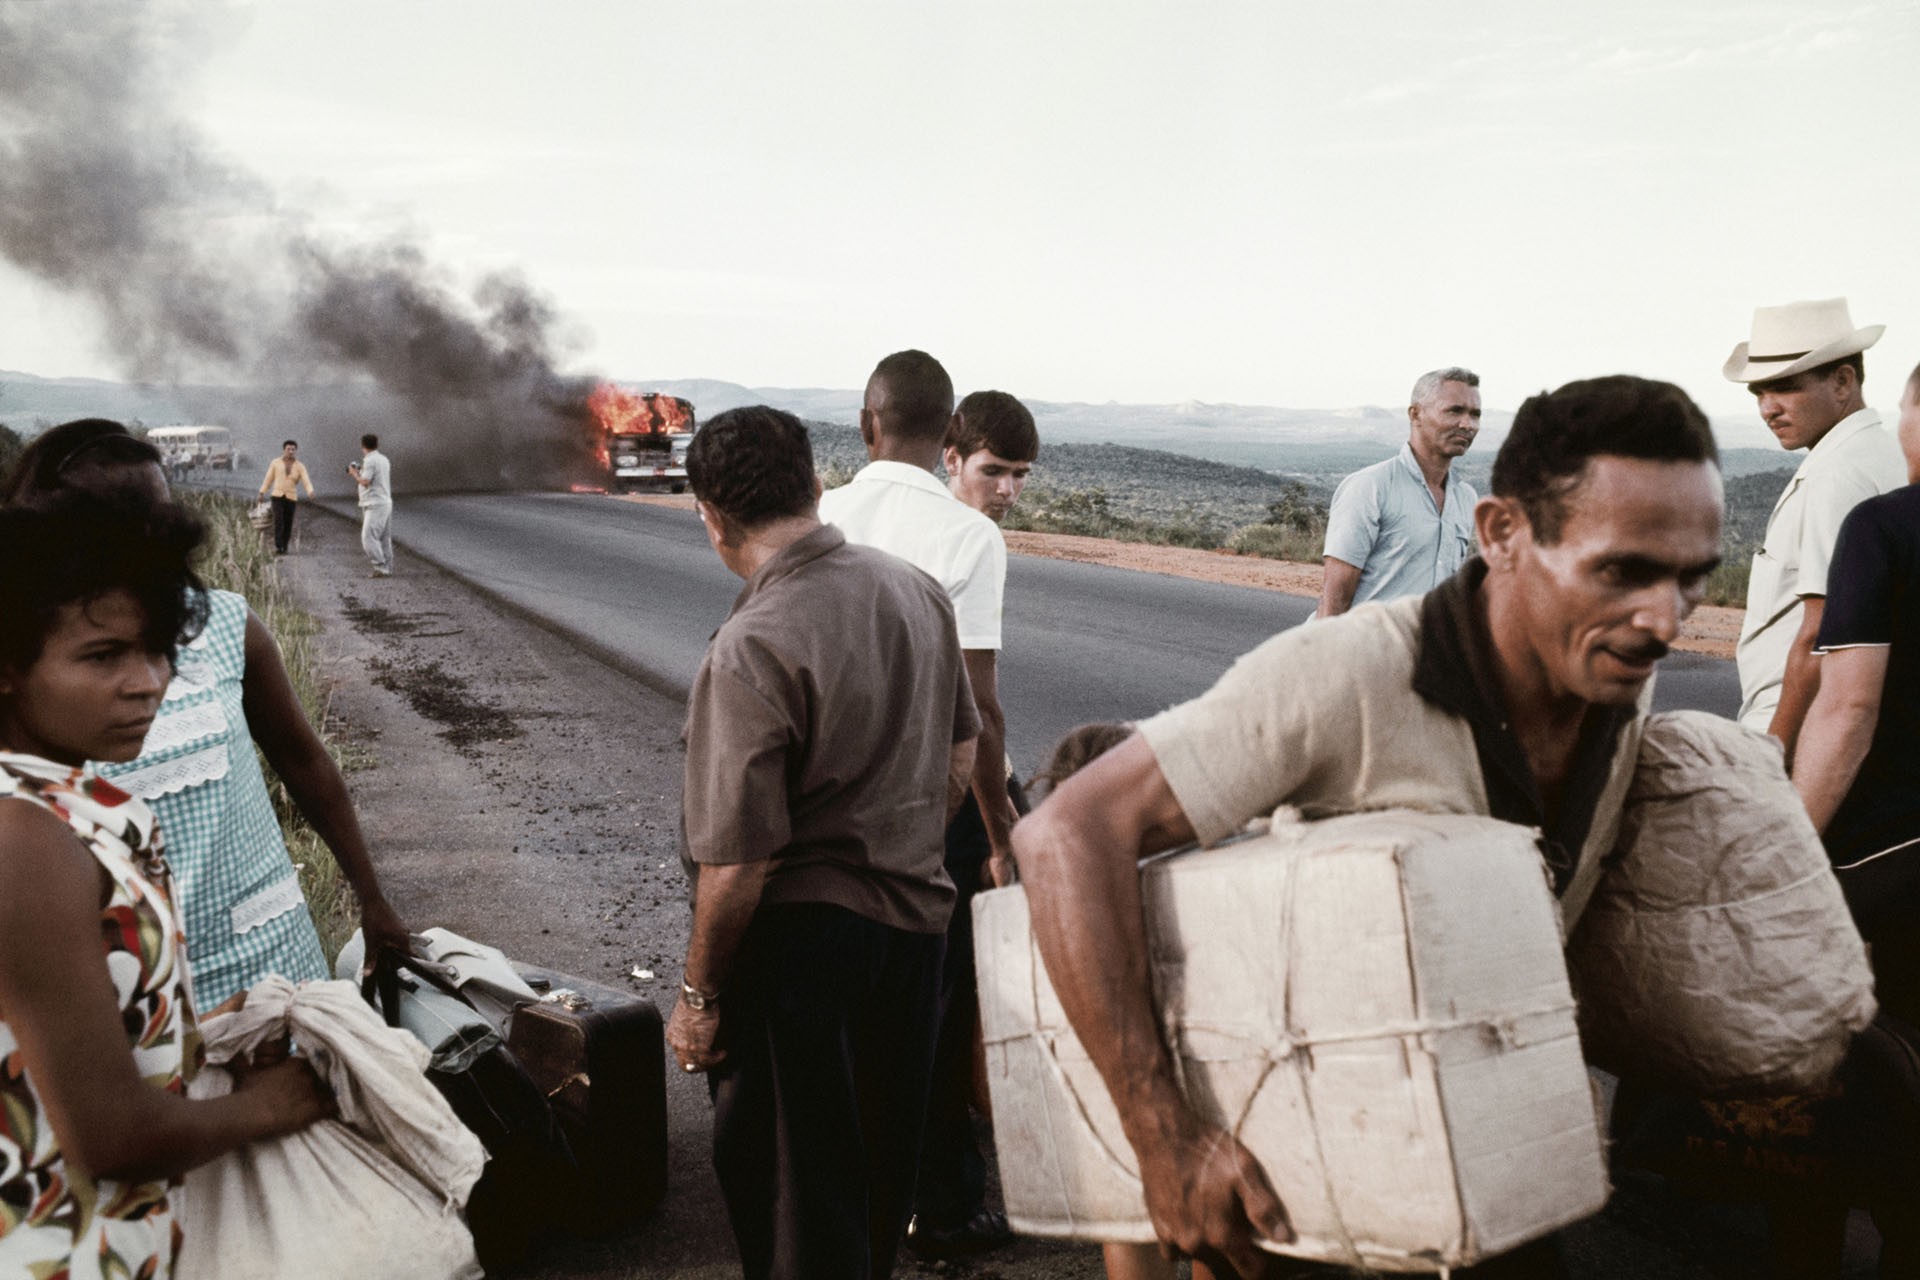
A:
[164,777]
[269,903]
[176,728]
[194,672]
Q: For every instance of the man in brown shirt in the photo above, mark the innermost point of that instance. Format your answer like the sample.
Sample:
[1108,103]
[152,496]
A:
[829,738]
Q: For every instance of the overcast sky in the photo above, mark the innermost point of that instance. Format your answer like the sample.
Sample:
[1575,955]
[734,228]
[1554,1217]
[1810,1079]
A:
[1278,203]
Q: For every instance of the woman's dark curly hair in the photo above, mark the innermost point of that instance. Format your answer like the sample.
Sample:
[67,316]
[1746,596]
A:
[80,548]
[44,467]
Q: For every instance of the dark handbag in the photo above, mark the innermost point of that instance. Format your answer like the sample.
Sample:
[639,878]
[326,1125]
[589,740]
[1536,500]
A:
[532,1180]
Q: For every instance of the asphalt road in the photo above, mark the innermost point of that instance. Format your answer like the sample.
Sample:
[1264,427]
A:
[638,586]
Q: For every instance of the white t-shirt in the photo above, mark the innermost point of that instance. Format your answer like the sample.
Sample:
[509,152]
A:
[902,509]
[378,490]
[1854,461]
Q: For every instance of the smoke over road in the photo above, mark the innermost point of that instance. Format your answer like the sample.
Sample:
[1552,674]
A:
[200,276]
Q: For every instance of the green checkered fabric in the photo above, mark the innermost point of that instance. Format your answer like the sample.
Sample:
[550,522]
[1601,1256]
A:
[233,878]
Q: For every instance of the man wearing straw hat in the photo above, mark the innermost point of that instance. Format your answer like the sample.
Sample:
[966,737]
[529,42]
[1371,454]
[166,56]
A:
[1804,366]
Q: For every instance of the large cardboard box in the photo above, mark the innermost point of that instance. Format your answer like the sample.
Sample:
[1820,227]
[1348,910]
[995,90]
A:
[1375,1004]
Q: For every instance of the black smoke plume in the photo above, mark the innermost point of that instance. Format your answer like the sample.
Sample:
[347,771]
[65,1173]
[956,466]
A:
[200,276]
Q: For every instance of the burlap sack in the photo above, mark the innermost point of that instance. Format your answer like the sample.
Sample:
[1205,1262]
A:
[1717,956]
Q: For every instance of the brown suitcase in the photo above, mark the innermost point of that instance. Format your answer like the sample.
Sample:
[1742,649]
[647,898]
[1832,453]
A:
[599,1054]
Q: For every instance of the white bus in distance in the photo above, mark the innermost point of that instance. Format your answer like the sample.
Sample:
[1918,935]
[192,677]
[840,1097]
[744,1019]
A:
[189,448]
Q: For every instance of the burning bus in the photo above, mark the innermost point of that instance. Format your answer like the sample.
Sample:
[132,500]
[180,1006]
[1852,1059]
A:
[644,438]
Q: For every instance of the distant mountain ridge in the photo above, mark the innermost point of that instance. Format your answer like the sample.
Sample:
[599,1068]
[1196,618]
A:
[1289,442]
[1293,442]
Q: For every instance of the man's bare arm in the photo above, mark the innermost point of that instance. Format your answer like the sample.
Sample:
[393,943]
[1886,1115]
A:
[726,896]
[990,764]
[960,774]
[1338,581]
[1802,680]
[1839,728]
[1079,855]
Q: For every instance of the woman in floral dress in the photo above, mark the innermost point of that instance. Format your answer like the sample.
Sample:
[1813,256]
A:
[97,1030]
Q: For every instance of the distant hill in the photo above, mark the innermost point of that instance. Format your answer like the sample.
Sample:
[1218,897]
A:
[1308,443]
[1141,484]
[1318,445]
[29,403]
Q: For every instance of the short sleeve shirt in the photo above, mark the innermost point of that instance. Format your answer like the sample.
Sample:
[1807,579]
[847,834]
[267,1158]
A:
[378,474]
[1383,521]
[1854,461]
[1873,599]
[902,509]
[820,729]
[1388,706]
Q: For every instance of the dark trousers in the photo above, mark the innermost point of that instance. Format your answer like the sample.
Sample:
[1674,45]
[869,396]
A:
[953,1174]
[828,1022]
[282,523]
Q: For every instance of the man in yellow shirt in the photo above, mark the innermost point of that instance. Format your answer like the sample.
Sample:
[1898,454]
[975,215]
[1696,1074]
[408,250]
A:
[285,475]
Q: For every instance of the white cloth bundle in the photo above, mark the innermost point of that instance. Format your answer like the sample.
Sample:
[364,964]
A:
[375,1193]
[1717,955]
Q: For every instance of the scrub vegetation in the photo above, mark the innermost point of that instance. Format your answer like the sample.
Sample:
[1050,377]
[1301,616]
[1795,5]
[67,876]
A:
[238,557]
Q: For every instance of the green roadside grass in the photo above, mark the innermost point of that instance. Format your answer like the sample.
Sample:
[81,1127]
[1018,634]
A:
[237,557]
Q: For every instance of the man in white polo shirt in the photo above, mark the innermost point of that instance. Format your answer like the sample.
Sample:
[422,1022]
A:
[1805,368]
[895,503]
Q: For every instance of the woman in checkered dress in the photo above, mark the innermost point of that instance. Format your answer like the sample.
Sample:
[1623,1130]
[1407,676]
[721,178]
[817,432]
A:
[240,895]
[245,914]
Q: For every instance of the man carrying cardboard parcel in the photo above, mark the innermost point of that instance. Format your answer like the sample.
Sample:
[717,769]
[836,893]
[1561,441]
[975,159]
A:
[1516,689]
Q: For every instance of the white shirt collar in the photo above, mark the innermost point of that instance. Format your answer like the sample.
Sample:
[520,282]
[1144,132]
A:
[902,473]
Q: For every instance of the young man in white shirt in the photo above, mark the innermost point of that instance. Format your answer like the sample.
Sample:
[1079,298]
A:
[896,504]
[1805,369]
[989,452]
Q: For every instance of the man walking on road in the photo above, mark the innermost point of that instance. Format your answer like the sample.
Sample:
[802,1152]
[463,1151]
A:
[1805,368]
[285,475]
[895,503]
[1403,526]
[1515,689]
[374,476]
[829,738]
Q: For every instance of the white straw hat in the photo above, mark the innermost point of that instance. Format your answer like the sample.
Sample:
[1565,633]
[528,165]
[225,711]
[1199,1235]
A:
[1797,337]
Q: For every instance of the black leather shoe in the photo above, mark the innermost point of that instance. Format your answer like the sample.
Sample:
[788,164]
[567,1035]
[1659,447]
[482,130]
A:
[985,1230]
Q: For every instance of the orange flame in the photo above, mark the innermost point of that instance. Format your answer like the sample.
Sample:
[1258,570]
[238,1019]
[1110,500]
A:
[621,412]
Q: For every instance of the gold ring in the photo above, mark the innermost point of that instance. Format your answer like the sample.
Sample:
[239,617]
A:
[688,1066]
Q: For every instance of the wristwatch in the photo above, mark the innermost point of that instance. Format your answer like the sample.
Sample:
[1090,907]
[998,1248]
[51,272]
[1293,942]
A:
[696,999]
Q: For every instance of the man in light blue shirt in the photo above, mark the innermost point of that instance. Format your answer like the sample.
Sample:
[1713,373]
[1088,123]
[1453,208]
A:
[1403,526]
